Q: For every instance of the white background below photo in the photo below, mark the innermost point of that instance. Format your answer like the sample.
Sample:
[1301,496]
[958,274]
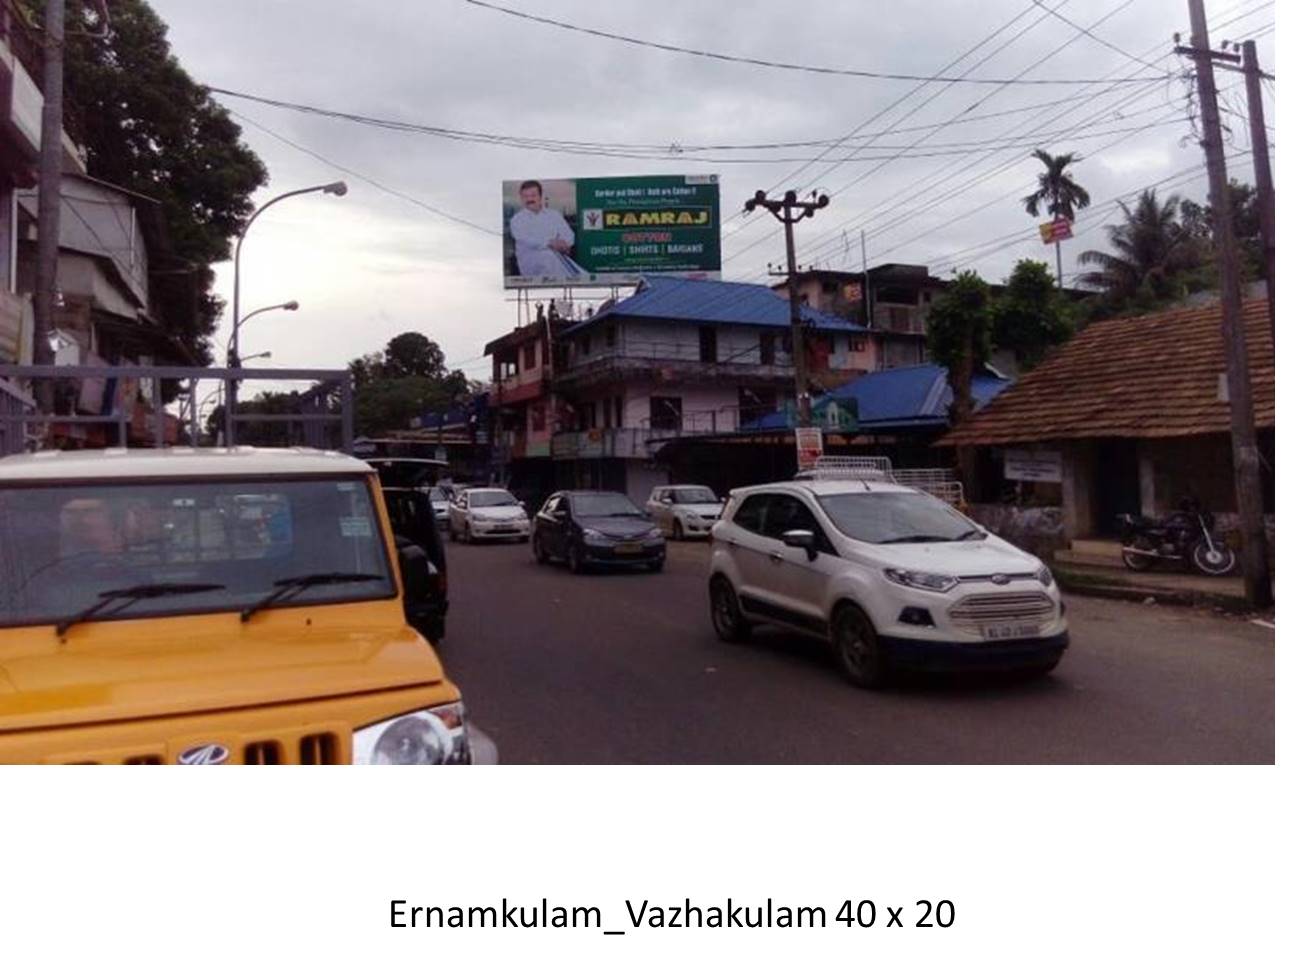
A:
[1040,864]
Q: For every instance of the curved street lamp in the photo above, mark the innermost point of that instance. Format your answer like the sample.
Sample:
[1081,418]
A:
[233,360]
[262,354]
[336,188]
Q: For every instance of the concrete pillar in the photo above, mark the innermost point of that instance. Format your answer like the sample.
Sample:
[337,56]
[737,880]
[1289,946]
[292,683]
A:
[1076,490]
[1146,480]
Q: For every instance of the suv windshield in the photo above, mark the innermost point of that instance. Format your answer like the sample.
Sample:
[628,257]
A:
[886,517]
[64,548]
[596,504]
[694,496]
[491,499]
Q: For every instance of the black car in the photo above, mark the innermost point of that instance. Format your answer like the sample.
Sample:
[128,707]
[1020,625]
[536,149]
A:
[601,529]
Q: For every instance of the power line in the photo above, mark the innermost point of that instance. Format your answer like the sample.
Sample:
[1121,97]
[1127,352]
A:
[772,64]
[366,179]
[1092,36]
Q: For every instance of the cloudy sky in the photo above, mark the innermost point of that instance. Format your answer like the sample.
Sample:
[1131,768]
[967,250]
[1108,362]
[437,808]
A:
[382,260]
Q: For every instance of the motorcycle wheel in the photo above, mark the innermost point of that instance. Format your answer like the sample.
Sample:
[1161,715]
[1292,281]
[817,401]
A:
[1139,563]
[1219,560]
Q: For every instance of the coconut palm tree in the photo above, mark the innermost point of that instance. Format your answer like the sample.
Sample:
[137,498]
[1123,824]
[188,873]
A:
[1150,256]
[1058,193]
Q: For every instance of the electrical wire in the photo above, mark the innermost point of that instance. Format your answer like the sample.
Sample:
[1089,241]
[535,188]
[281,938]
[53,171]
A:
[772,64]
[431,208]
[1086,32]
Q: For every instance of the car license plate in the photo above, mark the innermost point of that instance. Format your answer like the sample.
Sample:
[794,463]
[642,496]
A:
[505,529]
[628,548]
[1002,632]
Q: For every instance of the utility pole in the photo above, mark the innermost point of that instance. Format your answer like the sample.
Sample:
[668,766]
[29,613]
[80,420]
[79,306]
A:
[1246,456]
[1264,174]
[789,210]
[49,198]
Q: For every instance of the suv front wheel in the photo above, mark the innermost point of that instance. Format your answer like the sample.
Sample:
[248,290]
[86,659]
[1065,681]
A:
[855,645]
[725,612]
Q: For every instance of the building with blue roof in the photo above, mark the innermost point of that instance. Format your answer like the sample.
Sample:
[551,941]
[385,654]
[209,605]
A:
[683,357]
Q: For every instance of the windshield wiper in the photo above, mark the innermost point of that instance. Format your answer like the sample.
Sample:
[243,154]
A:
[913,538]
[971,533]
[150,590]
[290,587]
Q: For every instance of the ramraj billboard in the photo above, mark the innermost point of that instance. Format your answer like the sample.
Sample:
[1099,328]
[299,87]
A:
[600,231]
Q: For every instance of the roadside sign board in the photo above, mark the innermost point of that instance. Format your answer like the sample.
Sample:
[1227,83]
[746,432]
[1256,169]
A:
[1060,229]
[809,447]
[603,231]
[1033,465]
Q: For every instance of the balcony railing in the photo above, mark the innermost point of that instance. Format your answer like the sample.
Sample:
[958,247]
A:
[900,318]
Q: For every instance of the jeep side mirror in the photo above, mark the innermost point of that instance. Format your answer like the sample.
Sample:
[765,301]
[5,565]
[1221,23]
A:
[802,538]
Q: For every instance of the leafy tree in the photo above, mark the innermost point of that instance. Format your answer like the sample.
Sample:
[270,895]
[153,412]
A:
[1058,193]
[1151,260]
[148,127]
[1198,223]
[413,355]
[959,337]
[1031,316]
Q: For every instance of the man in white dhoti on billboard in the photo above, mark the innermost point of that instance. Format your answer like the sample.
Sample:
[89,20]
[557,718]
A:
[542,238]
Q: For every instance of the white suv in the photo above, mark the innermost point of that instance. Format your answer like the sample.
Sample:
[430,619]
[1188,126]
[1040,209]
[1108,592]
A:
[890,576]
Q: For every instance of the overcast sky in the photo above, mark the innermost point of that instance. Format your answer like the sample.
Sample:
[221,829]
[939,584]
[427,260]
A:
[371,265]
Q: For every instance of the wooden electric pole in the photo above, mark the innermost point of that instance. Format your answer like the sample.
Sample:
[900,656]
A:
[1264,173]
[1246,456]
[49,198]
[789,210]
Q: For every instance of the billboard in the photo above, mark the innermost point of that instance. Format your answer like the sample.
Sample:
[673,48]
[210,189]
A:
[601,231]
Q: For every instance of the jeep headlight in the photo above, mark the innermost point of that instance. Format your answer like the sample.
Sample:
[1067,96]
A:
[928,581]
[429,737]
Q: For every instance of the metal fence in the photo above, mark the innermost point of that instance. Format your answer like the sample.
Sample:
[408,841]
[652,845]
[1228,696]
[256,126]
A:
[327,405]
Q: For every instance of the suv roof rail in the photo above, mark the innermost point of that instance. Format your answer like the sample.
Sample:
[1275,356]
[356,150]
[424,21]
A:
[866,467]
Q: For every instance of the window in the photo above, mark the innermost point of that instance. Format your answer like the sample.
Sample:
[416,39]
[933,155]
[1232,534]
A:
[883,517]
[857,342]
[750,514]
[755,403]
[551,506]
[786,513]
[766,347]
[604,504]
[665,414]
[529,356]
[492,499]
[709,345]
[618,412]
[605,405]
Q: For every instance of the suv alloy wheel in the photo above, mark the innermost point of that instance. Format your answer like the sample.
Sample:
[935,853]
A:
[855,644]
[725,612]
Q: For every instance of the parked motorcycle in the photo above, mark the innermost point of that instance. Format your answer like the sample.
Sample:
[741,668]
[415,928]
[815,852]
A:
[1186,535]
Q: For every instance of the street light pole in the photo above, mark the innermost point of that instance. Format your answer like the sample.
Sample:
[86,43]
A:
[233,360]
[336,188]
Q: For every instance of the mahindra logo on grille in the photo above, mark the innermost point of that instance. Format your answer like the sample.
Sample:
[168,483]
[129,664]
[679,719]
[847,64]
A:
[210,754]
[1000,579]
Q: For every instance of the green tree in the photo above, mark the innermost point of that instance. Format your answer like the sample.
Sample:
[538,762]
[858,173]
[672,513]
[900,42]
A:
[959,337]
[1198,223]
[148,127]
[413,355]
[1031,316]
[1058,194]
[1151,260]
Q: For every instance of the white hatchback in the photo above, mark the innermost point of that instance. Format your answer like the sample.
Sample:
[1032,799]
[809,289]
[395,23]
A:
[890,576]
[684,511]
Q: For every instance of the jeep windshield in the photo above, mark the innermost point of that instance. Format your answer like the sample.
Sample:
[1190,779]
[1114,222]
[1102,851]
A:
[887,518]
[149,548]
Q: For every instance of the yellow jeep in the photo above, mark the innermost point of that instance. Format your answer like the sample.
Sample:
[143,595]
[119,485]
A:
[204,606]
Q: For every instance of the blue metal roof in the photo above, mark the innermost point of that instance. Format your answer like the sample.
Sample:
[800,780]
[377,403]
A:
[718,302]
[917,395]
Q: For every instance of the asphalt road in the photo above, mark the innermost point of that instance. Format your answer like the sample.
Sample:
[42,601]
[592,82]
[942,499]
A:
[625,668]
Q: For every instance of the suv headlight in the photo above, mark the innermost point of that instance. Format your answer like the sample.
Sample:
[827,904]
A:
[928,581]
[1044,576]
[429,737]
